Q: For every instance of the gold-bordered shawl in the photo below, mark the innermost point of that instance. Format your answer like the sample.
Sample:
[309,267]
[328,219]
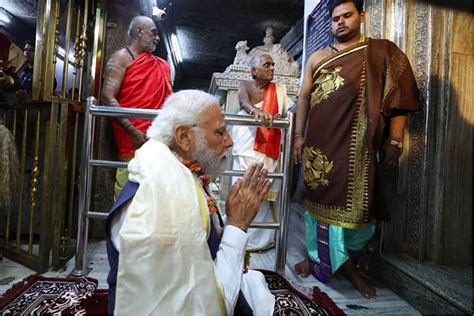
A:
[355,214]
[387,85]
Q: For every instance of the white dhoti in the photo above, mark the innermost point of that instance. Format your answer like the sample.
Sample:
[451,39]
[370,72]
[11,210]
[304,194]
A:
[243,156]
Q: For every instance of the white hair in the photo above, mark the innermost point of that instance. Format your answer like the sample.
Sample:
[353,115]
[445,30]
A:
[256,60]
[181,108]
[136,23]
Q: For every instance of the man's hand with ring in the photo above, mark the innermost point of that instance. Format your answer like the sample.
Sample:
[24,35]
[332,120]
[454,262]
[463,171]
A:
[264,117]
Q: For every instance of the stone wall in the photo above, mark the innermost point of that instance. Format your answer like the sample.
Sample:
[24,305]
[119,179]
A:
[434,199]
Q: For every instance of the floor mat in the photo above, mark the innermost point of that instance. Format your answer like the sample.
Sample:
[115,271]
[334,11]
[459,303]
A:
[290,301]
[39,295]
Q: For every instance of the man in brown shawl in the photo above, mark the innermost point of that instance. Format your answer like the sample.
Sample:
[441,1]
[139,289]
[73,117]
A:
[355,96]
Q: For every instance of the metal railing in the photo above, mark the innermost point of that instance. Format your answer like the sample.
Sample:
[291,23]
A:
[92,111]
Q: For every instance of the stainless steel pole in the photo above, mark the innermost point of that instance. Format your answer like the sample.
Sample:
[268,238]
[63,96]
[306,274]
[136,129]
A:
[285,197]
[80,266]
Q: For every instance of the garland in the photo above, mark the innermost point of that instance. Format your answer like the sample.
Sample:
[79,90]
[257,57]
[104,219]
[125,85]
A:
[195,167]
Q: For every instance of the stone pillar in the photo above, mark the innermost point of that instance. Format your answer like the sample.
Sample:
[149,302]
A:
[434,197]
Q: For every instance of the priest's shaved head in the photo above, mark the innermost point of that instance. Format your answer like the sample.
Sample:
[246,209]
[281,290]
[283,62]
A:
[143,30]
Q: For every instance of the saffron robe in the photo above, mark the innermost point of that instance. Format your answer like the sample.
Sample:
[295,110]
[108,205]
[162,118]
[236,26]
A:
[267,140]
[146,85]
[355,91]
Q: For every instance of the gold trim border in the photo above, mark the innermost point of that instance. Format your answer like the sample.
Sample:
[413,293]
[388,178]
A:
[357,195]
[341,54]
[312,209]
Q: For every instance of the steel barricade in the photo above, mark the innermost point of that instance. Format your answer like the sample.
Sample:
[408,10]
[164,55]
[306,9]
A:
[87,162]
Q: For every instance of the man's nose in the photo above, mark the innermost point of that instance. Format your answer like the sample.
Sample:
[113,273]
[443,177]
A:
[228,142]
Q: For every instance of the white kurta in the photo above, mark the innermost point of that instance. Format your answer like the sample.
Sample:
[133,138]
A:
[244,155]
[165,265]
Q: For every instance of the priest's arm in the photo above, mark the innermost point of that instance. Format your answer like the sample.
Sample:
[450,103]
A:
[114,75]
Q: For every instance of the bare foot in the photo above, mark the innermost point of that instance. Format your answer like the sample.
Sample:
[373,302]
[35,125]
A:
[302,268]
[362,284]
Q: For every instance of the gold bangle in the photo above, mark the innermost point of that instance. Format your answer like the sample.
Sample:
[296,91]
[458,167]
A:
[298,135]
[252,110]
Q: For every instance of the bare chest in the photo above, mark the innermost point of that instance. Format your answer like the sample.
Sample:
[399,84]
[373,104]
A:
[256,96]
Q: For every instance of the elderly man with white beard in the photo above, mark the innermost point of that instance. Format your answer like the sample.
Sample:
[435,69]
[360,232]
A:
[169,250]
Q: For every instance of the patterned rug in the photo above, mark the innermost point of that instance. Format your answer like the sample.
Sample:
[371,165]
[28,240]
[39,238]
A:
[290,301]
[38,295]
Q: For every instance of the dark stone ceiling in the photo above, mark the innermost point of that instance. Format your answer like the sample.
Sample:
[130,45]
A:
[207,30]
[21,16]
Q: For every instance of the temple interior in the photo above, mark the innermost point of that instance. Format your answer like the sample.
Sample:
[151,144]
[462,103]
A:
[58,173]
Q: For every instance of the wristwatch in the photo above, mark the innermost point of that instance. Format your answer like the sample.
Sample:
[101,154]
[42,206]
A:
[395,143]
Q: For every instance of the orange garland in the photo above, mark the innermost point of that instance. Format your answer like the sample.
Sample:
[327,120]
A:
[195,167]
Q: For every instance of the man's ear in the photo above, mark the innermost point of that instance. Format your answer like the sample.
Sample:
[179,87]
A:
[362,17]
[183,138]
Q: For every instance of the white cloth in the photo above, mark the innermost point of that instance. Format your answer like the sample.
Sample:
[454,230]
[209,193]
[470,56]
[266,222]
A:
[180,290]
[244,155]
[244,136]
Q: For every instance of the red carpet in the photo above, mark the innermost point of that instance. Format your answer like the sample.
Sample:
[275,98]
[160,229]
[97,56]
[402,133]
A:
[291,301]
[38,295]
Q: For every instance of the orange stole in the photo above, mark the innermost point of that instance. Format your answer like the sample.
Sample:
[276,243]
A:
[267,140]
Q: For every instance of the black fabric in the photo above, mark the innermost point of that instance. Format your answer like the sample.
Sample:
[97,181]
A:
[130,52]
[213,241]
[26,78]
[127,193]
[242,307]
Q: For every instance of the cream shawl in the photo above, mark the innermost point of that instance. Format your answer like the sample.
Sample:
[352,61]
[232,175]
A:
[165,267]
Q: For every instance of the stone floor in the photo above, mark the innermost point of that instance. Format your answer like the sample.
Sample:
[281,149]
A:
[445,289]
[339,289]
